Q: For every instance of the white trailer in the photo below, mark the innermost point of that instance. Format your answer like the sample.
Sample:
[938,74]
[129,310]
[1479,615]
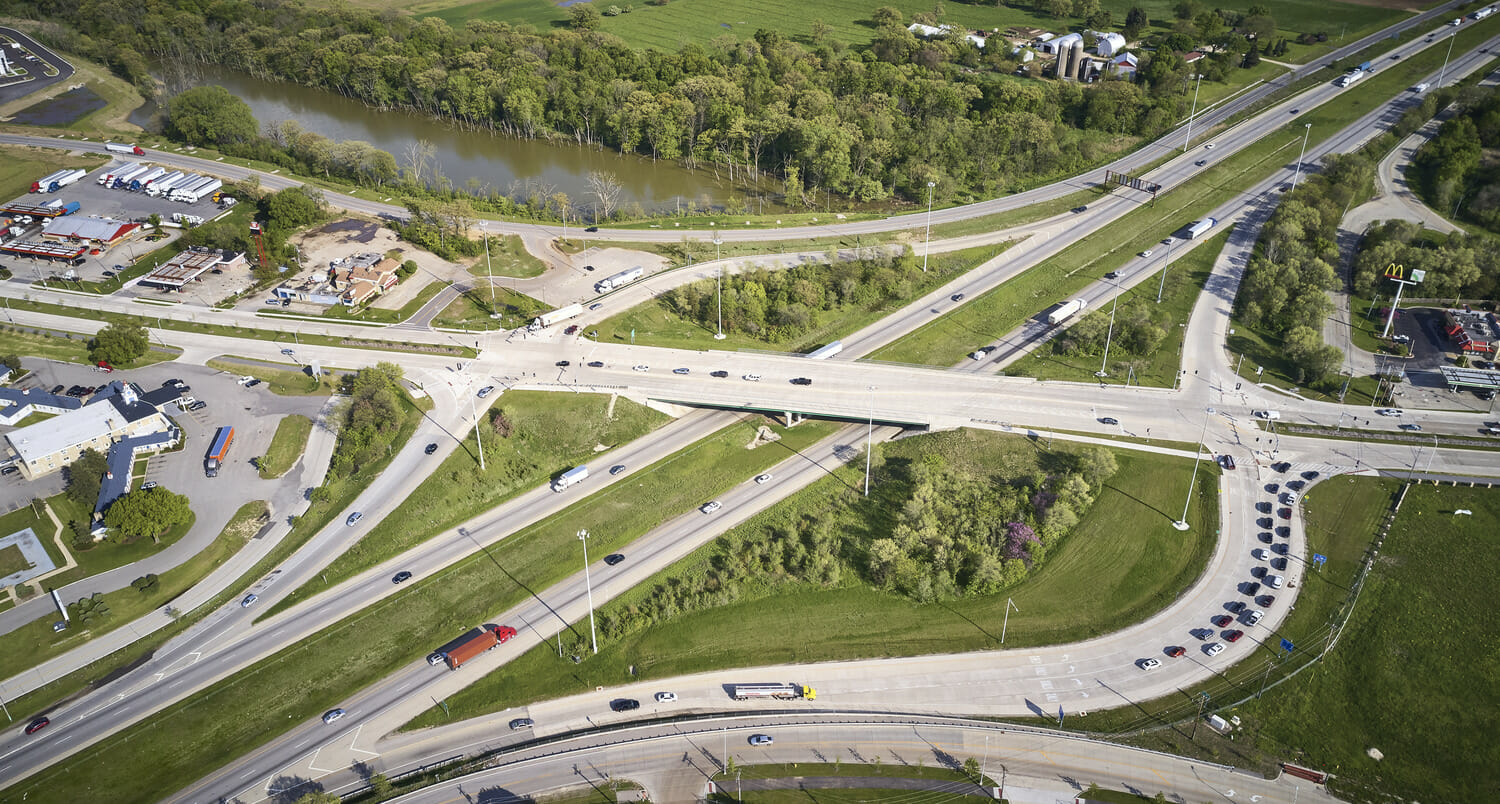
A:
[1066,311]
[206,189]
[1197,228]
[151,177]
[115,147]
[570,478]
[167,184]
[826,352]
[619,280]
[1350,77]
[161,180]
[137,179]
[560,314]
[107,178]
[784,692]
[191,192]
[41,185]
[67,178]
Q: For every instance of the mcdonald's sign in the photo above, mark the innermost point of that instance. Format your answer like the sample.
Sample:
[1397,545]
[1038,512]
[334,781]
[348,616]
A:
[1394,271]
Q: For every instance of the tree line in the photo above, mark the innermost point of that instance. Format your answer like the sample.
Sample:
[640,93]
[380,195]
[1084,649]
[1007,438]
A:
[1457,172]
[867,124]
[1458,266]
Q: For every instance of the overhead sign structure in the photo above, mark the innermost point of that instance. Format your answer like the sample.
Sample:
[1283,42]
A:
[1126,180]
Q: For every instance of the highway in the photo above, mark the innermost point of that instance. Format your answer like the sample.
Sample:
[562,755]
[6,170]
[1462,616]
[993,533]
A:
[841,389]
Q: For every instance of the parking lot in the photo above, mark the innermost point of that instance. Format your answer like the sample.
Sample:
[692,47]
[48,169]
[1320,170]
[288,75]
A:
[253,412]
[100,202]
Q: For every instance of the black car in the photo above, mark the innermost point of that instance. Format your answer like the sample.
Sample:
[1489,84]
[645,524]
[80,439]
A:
[1109,420]
[109,273]
[1236,606]
[1112,275]
[596,364]
[624,704]
[57,389]
[431,448]
[801,381]
[592,229]
[1265,601]
[1251,589]
[401,577]
[1083,208]
[614,558]
[37,725]
[721,374]
[958,297]
[563,364]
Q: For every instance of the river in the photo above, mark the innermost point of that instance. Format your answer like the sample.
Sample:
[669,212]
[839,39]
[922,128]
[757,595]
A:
[512,166]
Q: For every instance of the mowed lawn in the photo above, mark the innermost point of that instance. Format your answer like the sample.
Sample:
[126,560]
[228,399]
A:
[1121,564]
[1415,671]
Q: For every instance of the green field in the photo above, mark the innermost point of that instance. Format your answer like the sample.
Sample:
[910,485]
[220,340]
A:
[552,432]
[287,445]
[508,257]
[1121,563]
[174,747]
[668,27]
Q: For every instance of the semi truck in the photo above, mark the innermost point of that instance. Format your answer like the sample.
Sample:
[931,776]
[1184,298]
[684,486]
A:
[139,183]
[560,314]
[122,177]
[781,692]
[570,478]
[619,280]
[1364,67]
[217,451]
[1348,78]
[68,177]
[107,177]
[1198,228]
[1066,311]
[192,195]
[825,352]
[41,185]
[476,642]
[168,183]
[115,147]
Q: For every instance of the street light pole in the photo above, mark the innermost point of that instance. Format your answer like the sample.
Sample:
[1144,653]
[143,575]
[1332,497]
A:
[1182,523]
[479,444]
[1103,372]
[1444,71]
[1166,263]
[869,439]
[719,336]
[1307,129]
[927,245]
[1189,139]
[583,536]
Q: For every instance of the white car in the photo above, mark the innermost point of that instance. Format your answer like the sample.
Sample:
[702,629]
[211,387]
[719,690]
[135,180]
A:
[666,697]
[1390,411]
[485,391]
[640,367]
[1146,253]
[332,715]
[760,739]
[765,478]
[1253,616]
[244,379]
[354,518]
[1150,664]
[248,601]
[1215,649]
[752,378]
[1275,581]
[710,507]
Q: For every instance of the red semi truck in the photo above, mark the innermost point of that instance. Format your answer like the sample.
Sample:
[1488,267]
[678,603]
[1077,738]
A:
[217,451]
[477,642]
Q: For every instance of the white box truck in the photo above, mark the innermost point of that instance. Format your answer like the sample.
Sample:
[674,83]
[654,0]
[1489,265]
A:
[569,478]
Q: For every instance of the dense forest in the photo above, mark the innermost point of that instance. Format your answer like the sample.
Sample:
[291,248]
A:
[1458,266]
[1453,172]
[869,124]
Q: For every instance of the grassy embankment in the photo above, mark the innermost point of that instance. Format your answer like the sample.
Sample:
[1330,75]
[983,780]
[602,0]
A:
[280,381]
[176,745]
[653,323]
[287,445]
[551,432]
[1123,562]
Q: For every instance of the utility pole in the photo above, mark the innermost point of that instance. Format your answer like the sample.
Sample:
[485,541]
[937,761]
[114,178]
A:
[1202,702]
[1165,264]
[1307,129]
[1189,138]
[1443,72]
[927,245]
[1103,367]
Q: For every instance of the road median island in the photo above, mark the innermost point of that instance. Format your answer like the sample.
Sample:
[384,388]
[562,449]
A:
[287,445]
[713,610]
[179,744]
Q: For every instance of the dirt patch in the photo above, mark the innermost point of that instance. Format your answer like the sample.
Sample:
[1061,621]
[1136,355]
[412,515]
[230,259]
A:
[348,236]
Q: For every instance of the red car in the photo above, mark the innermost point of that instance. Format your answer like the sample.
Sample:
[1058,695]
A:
[1176,651]
[1233,636]
[1222,620]
[570,330]
[37,725]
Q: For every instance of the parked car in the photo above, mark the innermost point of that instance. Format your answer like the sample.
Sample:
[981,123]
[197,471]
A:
[1260,554]
[1275,581]
[522,723]
[1222,620]
[1233,636]
[1251,589]
[563,364]
[1149,664]
[1265,601]
[614,558]
[199,405]
[1235,606]
[624,704]
[332,715]
[149,484]
[252,383]
[401,577]
[57,389]
[1254,616]
[1177,651]
[1215,649]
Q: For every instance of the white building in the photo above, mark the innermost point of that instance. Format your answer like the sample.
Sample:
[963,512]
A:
[1060,44]
[1110,44]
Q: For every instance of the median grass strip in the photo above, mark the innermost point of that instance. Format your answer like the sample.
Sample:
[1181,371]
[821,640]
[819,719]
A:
[1157,367]
[68,347]
[281,381]
[549,433]
[287,445]
[1121,563]
[182,742]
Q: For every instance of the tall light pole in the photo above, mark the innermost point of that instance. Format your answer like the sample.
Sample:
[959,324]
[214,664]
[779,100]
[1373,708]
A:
[1444,71]
[719,336]
[583,536]
[927,246]
[1102,373]
[1307,129]
[869,439]
[1182,523]
[489,274]
[1166,263]
[1189,138]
